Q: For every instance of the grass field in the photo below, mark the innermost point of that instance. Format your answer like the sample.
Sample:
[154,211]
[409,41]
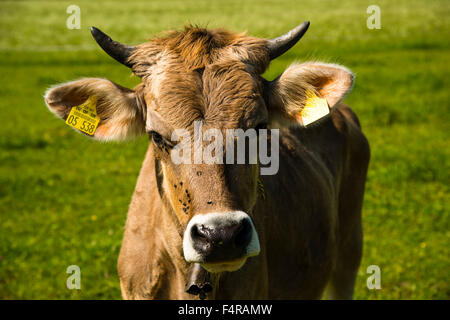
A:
[64,198]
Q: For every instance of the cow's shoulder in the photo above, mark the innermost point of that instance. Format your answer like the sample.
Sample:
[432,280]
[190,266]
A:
[347,124]
[333,144]
[344,115]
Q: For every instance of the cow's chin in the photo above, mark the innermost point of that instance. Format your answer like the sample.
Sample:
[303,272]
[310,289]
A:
[226,266]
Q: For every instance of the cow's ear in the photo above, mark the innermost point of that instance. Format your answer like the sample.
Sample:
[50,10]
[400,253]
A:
[118,110]
[305,92]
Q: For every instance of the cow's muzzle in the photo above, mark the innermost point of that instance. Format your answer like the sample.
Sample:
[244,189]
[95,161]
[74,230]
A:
[220,241]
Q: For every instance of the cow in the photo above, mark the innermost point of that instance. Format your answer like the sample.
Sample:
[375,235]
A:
[296,234]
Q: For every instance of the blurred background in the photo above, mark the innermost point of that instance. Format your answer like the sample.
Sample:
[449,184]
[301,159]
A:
[64,198]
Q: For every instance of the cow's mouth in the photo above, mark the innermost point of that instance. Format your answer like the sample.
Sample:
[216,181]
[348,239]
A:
[228,266]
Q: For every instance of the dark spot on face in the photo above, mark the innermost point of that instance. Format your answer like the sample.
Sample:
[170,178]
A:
[184,204]
[181,183]
[180,201]
[175,186]
[209,202]
[199,173]
[189,200]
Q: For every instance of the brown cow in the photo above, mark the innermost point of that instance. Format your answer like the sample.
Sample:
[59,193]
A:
[285,236]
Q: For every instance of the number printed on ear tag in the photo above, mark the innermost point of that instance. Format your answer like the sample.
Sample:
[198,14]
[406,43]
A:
[84,117]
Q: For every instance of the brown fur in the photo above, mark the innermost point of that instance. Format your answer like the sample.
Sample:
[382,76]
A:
[309,219]
[309,224]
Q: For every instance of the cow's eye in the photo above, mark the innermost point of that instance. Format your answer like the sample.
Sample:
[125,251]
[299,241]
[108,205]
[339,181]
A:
[159,139]
[156,137]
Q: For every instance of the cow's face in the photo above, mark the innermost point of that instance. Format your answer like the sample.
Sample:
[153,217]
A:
[213,200]
[194,82]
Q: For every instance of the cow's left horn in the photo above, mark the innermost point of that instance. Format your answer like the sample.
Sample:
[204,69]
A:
[115,49]
[280,45]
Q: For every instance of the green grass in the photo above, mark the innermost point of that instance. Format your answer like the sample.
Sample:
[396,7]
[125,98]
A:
[64,198]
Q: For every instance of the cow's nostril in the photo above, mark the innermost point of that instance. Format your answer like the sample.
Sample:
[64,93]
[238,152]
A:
[200,233]
[243,234]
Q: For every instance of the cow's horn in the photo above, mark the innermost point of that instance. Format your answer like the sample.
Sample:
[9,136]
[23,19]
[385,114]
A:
[280,45]
[115,49]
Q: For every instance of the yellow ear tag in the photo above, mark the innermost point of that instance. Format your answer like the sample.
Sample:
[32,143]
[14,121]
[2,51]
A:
[84,117]
[314,109]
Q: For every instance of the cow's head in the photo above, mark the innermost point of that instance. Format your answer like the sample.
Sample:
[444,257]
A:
[213,77]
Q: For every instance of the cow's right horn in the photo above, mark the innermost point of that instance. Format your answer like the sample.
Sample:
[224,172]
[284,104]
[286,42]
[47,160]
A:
[281,44]
[115,49]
